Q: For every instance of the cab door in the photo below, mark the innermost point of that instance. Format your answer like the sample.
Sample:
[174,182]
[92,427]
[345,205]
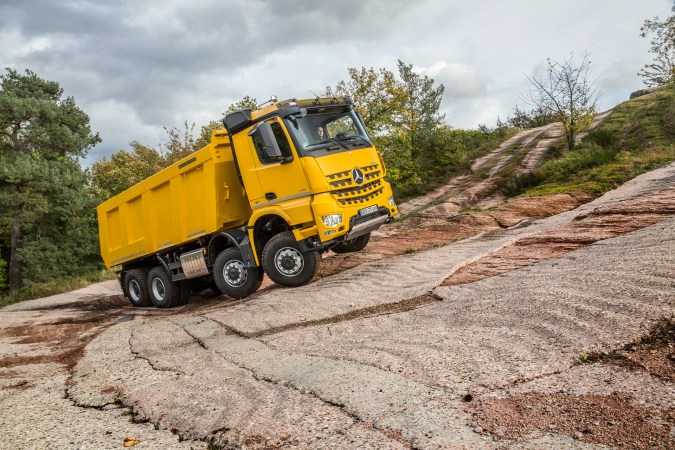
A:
[281,178]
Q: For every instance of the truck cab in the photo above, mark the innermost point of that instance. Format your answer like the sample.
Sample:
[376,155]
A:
[310,168]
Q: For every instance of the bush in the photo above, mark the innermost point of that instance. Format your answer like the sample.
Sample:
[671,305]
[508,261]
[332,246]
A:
[602,137]
[561,169]
[447,152]
[39,290]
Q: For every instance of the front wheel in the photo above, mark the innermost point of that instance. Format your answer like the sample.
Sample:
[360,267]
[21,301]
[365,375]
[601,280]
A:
[354,245]
[232,277]
[286,264]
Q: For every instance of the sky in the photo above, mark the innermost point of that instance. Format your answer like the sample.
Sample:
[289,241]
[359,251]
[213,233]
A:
[136,67]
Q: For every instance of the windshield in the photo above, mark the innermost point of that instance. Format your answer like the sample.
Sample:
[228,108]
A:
[328,129]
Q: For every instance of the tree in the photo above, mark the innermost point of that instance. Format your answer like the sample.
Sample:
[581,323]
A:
[3,275]
[42,187]
[567,92]
[401,114]
[537,117]
[110,176]
[245,103]
[204,138]
[372,94]
[662,70]
[416,102]
[124,168]
[56,216]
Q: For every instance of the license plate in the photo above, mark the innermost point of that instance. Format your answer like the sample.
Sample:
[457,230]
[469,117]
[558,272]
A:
[368,210]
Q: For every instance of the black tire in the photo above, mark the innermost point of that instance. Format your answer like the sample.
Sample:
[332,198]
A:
[354,245]
[215,289]
[165,293]
[199,285]
[286,264]
[136,287]
[232,277]
[185,292]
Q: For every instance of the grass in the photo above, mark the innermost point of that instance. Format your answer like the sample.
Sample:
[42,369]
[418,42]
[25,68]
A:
[445,164]
[638,136]
[55,287]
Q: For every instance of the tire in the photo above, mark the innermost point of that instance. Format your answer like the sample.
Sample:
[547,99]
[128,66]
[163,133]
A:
[286,264]
[165,293]
[354,245]
[232,277]
[185,292]
[136,287]
[215,289]
[199,285]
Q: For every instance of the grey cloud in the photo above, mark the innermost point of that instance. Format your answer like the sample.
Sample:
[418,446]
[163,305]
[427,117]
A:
[134,67]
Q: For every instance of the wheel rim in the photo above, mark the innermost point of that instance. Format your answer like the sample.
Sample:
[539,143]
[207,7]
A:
[289,261]
[234,273]
[158,289]
[135,290]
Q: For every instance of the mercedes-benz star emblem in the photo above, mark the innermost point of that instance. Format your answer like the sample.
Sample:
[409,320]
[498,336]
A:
[357,175]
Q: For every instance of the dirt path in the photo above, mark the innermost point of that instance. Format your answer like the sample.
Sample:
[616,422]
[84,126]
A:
[469,204]
[544,334]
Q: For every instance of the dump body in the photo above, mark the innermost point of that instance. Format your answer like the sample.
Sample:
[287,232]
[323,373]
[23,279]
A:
[196,196]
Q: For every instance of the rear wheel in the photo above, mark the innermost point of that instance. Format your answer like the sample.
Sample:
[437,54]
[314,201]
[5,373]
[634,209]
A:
[165,293]
[286,264]
[136,288]
[232,277]
[353,245]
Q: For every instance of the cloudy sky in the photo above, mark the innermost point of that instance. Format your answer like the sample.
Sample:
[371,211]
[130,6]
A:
[136,66]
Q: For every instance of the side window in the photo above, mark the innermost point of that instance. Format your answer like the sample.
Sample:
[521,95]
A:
[284,146]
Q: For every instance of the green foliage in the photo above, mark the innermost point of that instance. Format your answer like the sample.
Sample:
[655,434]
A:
[635,138]
[415,115]
[39,290]
[603,137]
[372,92]
[3,275]
[245,103]
[110,176]
[401,112]
[537,117]
[123,169]
[567,93]
[47,221]
[54,213]
[34,118]
[662,70]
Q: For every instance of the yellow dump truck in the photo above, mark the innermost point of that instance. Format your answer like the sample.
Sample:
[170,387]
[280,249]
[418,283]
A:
[273,190]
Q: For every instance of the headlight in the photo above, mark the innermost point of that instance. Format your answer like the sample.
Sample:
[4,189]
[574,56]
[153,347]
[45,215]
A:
[332,220]
[391,201]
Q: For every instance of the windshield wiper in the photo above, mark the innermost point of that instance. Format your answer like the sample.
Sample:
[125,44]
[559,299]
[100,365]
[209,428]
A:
[351,138]
[326,141]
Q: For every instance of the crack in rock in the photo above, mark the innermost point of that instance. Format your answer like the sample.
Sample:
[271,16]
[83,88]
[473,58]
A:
[424,416]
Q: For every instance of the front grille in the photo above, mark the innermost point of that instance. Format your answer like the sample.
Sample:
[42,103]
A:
[353,193]
[361,198]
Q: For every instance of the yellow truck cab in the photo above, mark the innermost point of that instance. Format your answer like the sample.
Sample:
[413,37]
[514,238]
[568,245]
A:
[269,194]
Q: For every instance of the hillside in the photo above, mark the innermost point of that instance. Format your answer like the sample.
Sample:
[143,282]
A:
[528,177]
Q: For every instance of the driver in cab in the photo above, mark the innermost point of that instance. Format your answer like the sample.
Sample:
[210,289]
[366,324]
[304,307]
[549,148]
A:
[320,133]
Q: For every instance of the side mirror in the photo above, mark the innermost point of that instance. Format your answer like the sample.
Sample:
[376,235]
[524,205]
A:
[270,146]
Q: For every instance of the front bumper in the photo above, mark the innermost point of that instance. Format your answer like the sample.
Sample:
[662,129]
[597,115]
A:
[366,224]
[352,224]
